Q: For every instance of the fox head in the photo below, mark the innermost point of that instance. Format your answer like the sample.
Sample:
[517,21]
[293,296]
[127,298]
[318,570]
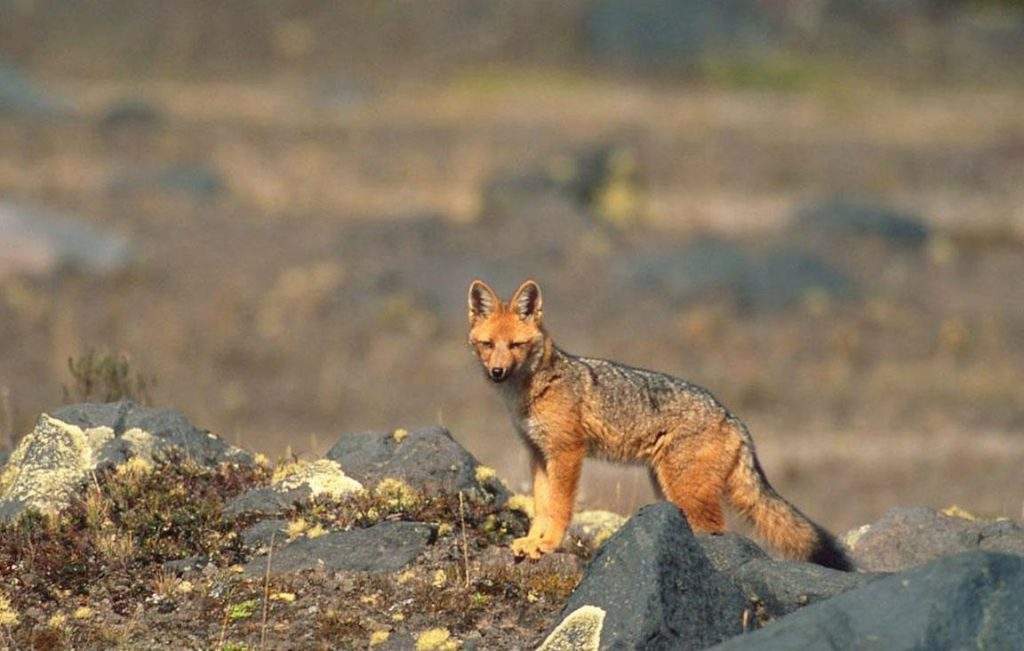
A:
[508,338]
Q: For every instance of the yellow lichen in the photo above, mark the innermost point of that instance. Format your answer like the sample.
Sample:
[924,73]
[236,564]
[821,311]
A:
[444,529]
[83,612]
[579,631]
[436,639]
[955,511]
[521,503]
[261,460]
[397,494]
[286,597]
[57,620]
[595,527]
[406,576]
[297,527]
[379,637]
[399,435]
[135,467]
[315,531]
[484,473]
[322,477]
[184,587]
[440,578]
[8,616]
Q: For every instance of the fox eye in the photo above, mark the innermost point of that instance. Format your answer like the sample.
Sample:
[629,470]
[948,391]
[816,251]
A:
[516,344]
[486,344]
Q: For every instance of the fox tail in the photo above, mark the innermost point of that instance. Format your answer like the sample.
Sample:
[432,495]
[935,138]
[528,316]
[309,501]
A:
[777,521]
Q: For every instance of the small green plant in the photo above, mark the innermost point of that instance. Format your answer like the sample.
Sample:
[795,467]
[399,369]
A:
[105,377]
[243,609]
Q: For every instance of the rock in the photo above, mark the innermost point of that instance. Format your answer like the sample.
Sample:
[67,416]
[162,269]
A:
[658,588]
[842,217]
[52,462]
[150,433]
[38,241]
[673,35]
[184,565]
[593,528]
[19,96]
[779,587]
[709,268]
[972,600]
[258,537]
[429,460]
[579,631]
[196,181]
[905,537]
[384,547]
[293,482]
[265,501]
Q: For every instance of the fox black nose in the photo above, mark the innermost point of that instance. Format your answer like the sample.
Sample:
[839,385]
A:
[498,373]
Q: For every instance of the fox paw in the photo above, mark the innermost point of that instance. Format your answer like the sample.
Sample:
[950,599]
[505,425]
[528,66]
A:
[532,548]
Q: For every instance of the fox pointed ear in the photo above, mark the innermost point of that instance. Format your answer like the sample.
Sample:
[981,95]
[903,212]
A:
[527,302]
[482,300]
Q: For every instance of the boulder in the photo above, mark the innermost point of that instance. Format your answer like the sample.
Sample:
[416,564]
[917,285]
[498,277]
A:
[708,268]
[429,460]
[905,537]
[34,240]
[778,586]
[259,536]
[657,587]
[384,547]
[293,482]
[844,218]
[973,600]
[52,462]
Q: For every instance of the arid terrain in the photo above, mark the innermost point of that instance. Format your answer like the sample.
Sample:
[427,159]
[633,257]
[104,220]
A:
[301,245]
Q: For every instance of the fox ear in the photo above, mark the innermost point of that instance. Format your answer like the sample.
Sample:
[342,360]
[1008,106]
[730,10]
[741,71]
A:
[527,302]
[482,300]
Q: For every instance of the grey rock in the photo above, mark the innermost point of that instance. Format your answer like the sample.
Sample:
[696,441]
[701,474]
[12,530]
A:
[973,600]
[265,501]
[673,35]
[35,240]
[51,463]
[778,586]
[658,588]
[20,96]
[384,547]
[150,432]
[259,536]
[428,459]
[905,537]
[843,217]
[183,565]
[713,269]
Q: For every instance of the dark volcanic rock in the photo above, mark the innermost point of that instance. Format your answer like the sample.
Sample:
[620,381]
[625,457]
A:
[973,600]
[385,547]
[428,459]
[150,432]
[779,586]
[265,501]
[842,217]
[906,537]
[259,536]
[658,588]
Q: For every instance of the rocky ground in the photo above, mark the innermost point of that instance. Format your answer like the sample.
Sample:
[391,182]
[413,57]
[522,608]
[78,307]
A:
[126,526]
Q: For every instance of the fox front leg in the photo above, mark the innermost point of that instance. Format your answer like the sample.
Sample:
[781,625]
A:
[559,479]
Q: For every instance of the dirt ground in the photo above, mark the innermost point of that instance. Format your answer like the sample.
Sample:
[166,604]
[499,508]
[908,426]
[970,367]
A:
[320,289]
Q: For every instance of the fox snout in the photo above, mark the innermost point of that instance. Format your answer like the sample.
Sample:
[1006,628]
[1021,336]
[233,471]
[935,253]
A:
[498,373]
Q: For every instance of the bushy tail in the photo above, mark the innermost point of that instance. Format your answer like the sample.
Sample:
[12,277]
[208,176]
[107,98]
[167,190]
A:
[780,523]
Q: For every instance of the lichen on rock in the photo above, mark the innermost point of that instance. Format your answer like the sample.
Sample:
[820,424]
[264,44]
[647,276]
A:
[595,527]
[579,631]
[322,477]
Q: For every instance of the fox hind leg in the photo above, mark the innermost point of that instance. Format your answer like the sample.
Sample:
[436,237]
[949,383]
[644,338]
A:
[692,475]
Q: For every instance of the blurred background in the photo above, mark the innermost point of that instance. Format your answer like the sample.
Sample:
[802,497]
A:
[267,214]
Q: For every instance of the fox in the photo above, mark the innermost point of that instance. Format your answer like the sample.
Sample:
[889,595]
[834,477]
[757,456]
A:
[566,407]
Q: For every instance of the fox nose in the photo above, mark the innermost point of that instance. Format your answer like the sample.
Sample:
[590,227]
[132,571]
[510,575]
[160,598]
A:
[498,373]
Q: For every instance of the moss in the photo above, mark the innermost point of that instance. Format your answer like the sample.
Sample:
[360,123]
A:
[399,435]
[521,503]
[379,637]
[484,474]
[398,494]
[8,616]
[242,610]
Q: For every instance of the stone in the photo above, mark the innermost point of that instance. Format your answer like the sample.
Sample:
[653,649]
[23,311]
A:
[429,460]
[658,588]
[580,630]
[906,537]
[258,537]
[384,547]
[51,463]
[972,600]
[39,241]
[293,482]
[845,217]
